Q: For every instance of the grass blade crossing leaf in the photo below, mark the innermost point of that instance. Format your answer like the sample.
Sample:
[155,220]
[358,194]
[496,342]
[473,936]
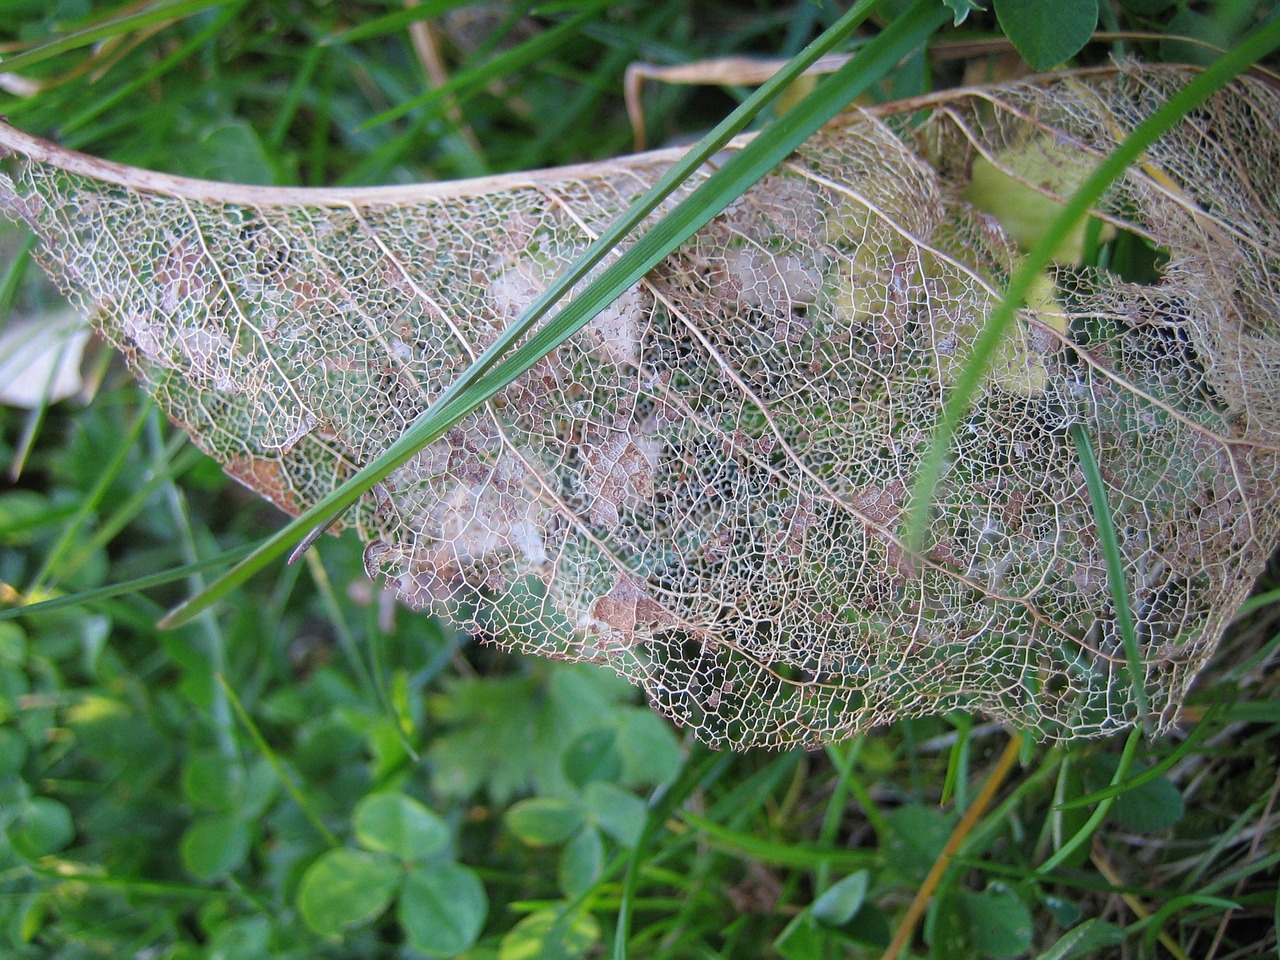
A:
[114,27]
[1115,571]
[679,439]
[1261,42]
[446,411]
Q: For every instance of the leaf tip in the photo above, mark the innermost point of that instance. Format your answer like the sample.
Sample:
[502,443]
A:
[177,617]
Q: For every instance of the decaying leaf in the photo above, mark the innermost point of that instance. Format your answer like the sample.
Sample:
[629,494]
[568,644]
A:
[704,488]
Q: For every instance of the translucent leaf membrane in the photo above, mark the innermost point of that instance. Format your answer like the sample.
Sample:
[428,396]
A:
[705,488]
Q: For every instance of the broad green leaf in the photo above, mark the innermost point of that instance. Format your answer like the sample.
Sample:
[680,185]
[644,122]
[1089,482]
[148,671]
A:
[399,825]
[999,923]
[581,862]
[130,745]
[507,734]
[247,938]
[841,901]
[13,752]
[543,821]
[231,151]
[13,645]
[1066,913]
[619,813]
[13,686]
[1047,32]
[802,939]
[215,845]
[210,780]
[593,756]
[650,751]
[257,789]
[551,934]
[869,928]
[41,827]
[442,909]
[344,888]
[1150,806]
[919,834]
[948,931]
[1198,27]
[1009,187]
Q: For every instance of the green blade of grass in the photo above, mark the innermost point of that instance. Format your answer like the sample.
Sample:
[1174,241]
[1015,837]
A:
[110,472]
[804,856]
[395,22]
[1105,526]
[1256,711]
[843,758]
[956,780]
[1254,47]
[182,530]
[14,273]
[292,100]
[126,587]
[346,639]
[487,376]
[1258,601]
[729,182]
[1201,731]
[287,780]
[1155,923]
[1098,815]
[57,874]
[174,60]
[698,207]
[178,464]
[699,770]
[470,81]
[578,110]
[101,31]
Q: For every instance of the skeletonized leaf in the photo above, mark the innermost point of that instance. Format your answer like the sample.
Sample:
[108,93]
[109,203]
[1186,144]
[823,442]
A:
[704,488]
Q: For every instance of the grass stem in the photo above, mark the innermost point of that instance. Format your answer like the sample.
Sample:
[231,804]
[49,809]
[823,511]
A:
[995,780]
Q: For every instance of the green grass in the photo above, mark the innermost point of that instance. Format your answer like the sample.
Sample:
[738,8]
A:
[307,771]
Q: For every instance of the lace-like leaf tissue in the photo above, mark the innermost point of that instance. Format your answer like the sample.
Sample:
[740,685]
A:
[704,489]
